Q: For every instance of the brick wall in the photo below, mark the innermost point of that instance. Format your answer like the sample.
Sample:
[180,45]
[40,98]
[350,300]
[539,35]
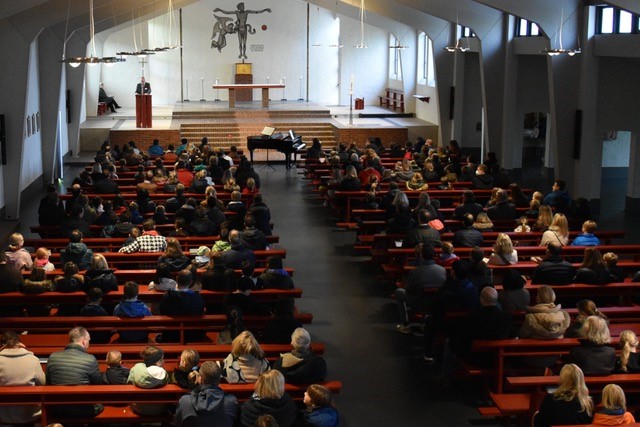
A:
[360,135]
[144,137]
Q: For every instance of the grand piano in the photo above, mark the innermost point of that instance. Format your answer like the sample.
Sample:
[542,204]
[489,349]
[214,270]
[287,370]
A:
[288,144]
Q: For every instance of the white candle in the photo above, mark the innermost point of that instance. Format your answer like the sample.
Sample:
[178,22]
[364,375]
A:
[353,79]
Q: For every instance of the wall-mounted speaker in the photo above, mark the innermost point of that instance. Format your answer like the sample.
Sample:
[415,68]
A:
[577,135]
[3,140]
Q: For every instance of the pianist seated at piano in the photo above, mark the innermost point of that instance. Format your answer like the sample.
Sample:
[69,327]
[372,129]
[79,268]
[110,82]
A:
[244,172]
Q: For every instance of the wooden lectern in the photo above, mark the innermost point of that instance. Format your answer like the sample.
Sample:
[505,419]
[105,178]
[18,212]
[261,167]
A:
[143,111]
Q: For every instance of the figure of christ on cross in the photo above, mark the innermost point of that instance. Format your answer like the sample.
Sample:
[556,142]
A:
[242,28]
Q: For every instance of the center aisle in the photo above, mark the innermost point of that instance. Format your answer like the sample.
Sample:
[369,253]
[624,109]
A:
[385,380]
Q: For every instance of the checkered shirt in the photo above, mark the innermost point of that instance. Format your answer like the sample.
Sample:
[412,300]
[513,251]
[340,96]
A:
[146,243]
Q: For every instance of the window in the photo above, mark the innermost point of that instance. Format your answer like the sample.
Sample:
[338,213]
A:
[527,28]
[425,72]
[613,20]
[395,66]
[466,32]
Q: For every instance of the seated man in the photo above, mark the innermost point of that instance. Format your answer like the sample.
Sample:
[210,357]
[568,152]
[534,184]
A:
[208,404]
[155,150]
[109,100]
[76,251]
[558,199]
[254,238]
[423,233]
[553,270]
[587,238]
[74,366]
[427,275]
[182,302]
[234,257]
[149,241]
[502,209]
[275,276]
[301,366]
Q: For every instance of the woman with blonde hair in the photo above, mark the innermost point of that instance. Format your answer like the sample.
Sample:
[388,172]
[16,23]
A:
[545,217]
[186,373]
[503,251]
[269,397]
[558,231]
[246,361]
[99,275]
[173,256]
[628,360]
[594,355]
[545,320]
[614,408]
[569,404]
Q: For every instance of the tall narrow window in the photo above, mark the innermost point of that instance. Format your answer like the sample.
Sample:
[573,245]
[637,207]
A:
[606,22]
[425,70]
[526,28]
[626,19]
[395,69]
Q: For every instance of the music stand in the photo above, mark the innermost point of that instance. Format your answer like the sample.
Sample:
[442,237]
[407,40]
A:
[267,132]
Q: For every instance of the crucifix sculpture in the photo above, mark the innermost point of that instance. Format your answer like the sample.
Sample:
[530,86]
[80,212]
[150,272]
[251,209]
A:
[240,27]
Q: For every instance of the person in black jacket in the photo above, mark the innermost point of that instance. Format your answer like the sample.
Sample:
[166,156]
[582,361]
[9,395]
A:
[468,205]
[261,214]
[553,270]
[301,366]
[594,355]
[115,373]
[269,397]
[182,302]
[467,235]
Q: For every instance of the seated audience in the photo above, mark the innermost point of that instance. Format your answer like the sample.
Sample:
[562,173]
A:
[502,210]
[523,225]
[319,410]
[570,403]
[593,270]
[164,279]
[558,231]
[545,320]
[558,199]
[594,355]
[629,359]
[614,408]
[173,256]
[587,238]
[503,251]
[207,404]
[115,373]
[130,306]
[301,365]
[18,257]
[585,308]
[246,361]
[241,298]
[186,373]
[183,301]
[611,262]
[76,251]
[467,235]
[99,275]
[423,233]
[237,253]
[468,205]
[42,259]
[275,276]
[18,367]
[483,223]
[149,374]
[270,398]
[447,257]
[254,238]
[552,269]
[544,218]
[149,241]
[514,296]
[479,273]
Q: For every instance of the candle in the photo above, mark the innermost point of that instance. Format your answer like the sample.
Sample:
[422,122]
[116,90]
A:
[353,79]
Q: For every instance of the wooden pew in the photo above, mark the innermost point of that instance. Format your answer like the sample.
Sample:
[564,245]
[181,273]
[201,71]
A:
[209,322]
[112,244]
[117,397]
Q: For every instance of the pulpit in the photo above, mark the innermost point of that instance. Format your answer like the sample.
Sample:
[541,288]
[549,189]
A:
[143,111]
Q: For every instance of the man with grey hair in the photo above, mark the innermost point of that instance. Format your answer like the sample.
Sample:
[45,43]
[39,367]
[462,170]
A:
[301,365]
[502,209]
[74,366]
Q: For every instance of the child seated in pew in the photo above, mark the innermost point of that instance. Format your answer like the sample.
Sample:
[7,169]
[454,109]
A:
[611,262]
[447,257]
[42,259]
[628,360]
[523,226]
[130,306]
[93,308]
[320,410]
[115,373]
[186,374]
[149,374]
[614,408]
[586,308]
[164,279]
[70,281]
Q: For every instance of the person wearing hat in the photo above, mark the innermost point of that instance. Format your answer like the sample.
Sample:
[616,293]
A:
[149,374]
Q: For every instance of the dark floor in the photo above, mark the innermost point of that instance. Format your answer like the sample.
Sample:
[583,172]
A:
[385,380]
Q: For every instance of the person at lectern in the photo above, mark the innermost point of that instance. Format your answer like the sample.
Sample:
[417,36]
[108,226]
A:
[143,88]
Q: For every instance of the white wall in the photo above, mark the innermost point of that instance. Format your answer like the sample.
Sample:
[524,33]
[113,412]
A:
[615,152]
[32,153]
[283,55]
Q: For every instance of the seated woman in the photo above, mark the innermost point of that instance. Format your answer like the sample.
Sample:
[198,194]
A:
[350,181]
[614,408]
[585,308]
[503,251]
[185,374]
[629,358]
[301,365]
[246,361]
[593,270]
[545,217]
[417,183]
[99,275]
[173,256]
[594,355]
[569,404]
[402,221]
[483,223]
[269,397]
[558,231]
[514,296]
[403,171]
[164,279]
[545,320]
